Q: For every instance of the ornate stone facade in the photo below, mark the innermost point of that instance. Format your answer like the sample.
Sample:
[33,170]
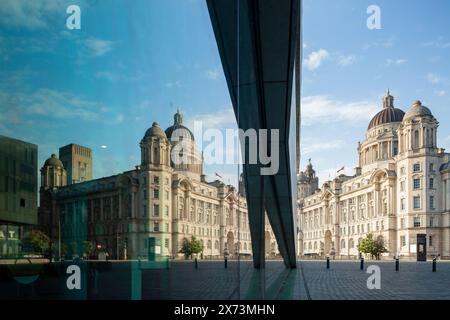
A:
[400,191]
[158,199]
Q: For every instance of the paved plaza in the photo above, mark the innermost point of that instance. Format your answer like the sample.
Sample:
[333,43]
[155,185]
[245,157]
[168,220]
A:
[211,280]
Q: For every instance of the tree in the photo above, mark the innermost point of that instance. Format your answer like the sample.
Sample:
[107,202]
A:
[371,246]
[191,247]
[186,248]
[88,248]
[196,245]
[37,241]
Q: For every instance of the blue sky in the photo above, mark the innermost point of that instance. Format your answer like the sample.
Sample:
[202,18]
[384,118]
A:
[130,65]
[347,68]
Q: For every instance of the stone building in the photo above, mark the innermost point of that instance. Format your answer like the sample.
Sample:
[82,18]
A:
[162,198]
[400,192]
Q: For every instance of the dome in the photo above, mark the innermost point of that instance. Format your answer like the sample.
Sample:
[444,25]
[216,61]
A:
[155,131]
[445,166]
[53,161]
[179,129]
[418,110]
[389,114]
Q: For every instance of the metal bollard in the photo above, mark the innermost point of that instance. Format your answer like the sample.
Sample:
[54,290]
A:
[361,265]
[396,264]
[328,262]
[196,263]
[226,262]
[434,265]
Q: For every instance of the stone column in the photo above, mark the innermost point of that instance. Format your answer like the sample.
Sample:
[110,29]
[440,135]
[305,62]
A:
[447,194]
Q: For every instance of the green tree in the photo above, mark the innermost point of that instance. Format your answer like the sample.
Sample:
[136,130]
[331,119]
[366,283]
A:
[374,247]
[196,245]
[191,247]
[37,241]
[88,248]
[74,248]
[186,248]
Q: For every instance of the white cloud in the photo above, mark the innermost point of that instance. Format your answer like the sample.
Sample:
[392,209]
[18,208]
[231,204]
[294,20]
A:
[52,104]
[29,14]
[386,43]
[222,119]
[176,83]
[345,61]
[316,58]
[441,93]
[322,109]
[309,145]
[432,78]
[440,42]
[98,47]
[214,74]
[397,62]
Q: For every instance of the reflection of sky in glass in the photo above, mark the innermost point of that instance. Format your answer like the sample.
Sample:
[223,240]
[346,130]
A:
[104,85]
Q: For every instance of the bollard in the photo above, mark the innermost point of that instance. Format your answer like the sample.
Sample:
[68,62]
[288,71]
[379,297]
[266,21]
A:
[226,262]
[196,263]
[328,262]
[434,265]
[361,266]
[396,264]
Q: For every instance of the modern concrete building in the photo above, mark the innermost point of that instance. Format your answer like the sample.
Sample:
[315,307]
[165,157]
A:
[157,200]
[77,161]
[400,191]
[18,192]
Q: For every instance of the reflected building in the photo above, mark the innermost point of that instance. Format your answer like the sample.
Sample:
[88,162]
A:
[400,191]
[18,192]
[161,198]
[77,161]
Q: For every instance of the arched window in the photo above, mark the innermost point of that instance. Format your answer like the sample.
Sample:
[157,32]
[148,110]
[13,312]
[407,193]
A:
[216,245]
[416,143]
[342,244]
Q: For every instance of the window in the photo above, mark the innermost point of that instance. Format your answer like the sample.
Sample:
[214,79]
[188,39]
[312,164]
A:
[402,223]
[402,241]
[144,213]
[431,183]
[156,210]
[22,202]
[403,204]
[156,180]
[430,241]
[156,226]
[432,167]
[166,211]
[432,207]
[416,183]
[156,193]
[416,201]
[166,243]
[416,167]
[144,192]
[416,222]
[166,227]
[431,222]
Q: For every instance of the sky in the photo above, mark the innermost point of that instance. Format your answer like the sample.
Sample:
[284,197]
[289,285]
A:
[129,65]
[347,69]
